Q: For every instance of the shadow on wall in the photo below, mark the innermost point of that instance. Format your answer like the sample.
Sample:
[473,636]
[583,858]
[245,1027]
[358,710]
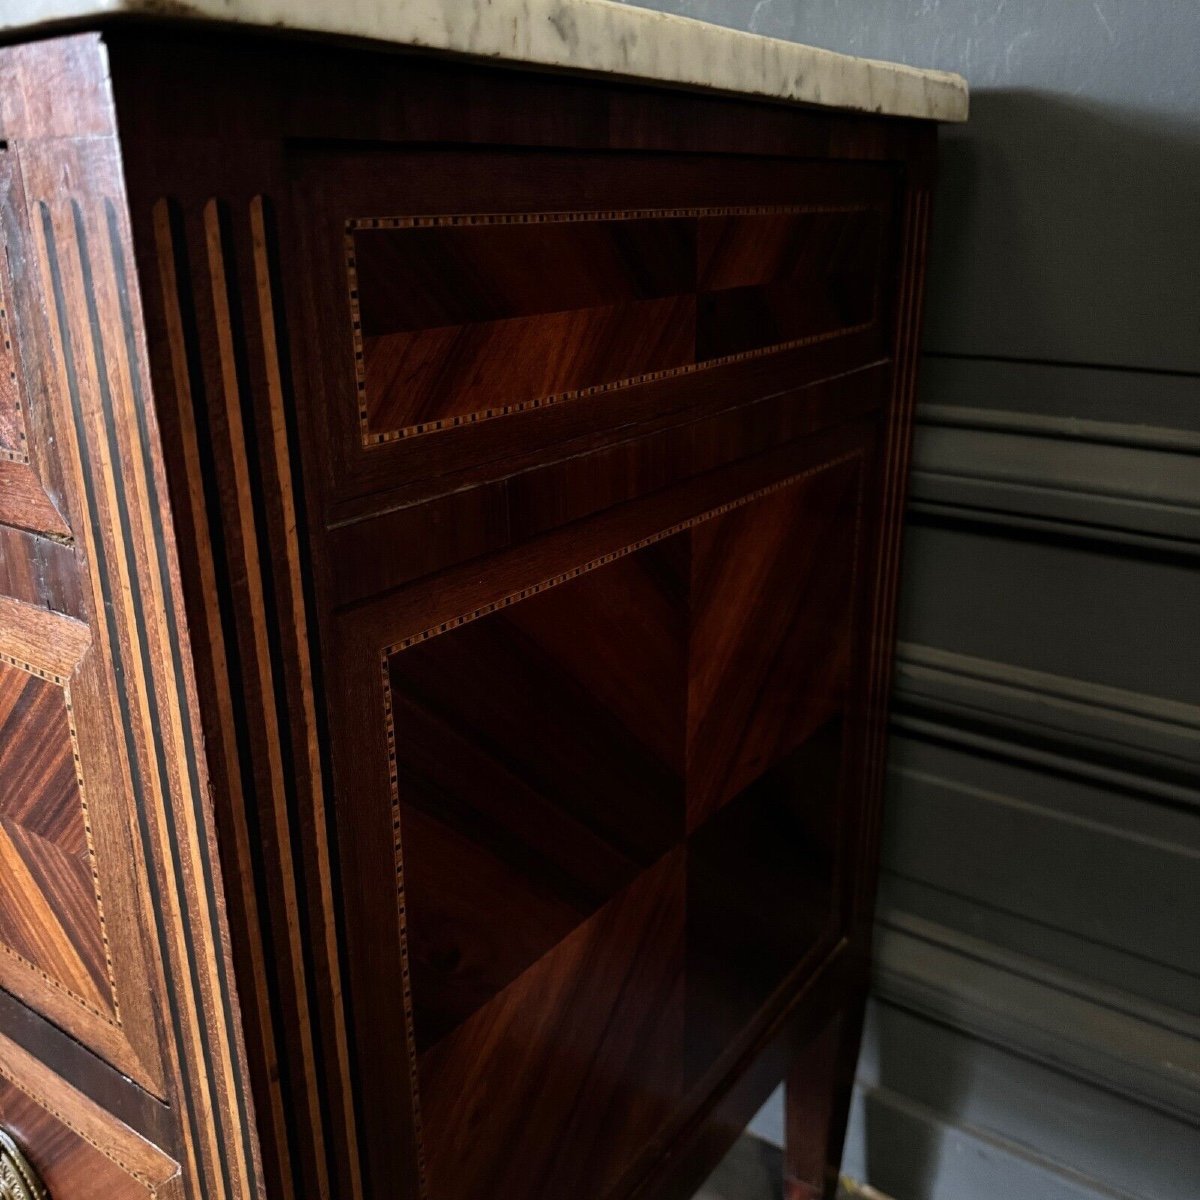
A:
[904,1151]
[1067,231]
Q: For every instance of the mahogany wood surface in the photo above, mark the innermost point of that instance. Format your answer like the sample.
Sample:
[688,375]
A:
[458,507]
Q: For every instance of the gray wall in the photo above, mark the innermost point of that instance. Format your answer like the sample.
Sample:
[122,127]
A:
[1036,1024]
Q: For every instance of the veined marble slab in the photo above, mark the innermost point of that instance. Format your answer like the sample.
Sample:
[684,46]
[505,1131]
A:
[580,35]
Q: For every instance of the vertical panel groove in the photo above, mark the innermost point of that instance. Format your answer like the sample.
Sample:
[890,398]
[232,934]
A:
[255,581]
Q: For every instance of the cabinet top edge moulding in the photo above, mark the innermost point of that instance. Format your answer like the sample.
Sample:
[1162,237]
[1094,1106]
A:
[595,36]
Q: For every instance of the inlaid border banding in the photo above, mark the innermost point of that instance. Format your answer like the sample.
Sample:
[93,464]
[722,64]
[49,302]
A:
[385,654]
[373,438]
[113,1017]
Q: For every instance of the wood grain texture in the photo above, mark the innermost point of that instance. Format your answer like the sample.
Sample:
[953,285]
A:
[761,687]
[24,499]
[171,1027]
[61,842]
[214,266]
[544,738]
[258,653]
[578,303]
[348,192]
[51,911]
[76,1147]
[221,721]
[540,769]
[564,1092]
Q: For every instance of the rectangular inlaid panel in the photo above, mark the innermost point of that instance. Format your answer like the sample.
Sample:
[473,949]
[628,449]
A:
[64,860]
[609,792]
[51,915]
[460,318]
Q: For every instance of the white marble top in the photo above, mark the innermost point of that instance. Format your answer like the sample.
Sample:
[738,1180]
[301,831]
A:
[580,35]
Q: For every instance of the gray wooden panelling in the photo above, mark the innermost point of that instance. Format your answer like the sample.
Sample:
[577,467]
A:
[941,1112]
[1035,1028]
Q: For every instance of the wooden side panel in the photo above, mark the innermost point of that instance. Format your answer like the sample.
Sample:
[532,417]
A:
[544,770]
[111,914]
[539,442]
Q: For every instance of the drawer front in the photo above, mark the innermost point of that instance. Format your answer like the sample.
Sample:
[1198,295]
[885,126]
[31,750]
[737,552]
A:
[69,1145]
[477,311]
[459,318]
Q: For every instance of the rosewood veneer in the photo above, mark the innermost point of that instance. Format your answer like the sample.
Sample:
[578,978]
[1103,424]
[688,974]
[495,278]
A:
[449,533]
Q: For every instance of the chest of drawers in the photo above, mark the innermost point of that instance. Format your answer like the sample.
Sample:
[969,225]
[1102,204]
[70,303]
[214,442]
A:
[448,554]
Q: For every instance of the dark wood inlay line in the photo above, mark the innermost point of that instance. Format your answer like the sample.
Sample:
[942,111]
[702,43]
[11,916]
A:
[263,613]
[274,335]
[594,563]
[66,345]
[139,610]
[192,402]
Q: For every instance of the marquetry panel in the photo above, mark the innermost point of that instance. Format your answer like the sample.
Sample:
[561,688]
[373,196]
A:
[652,742]
[51,911]
[487,306]
[24,500]
[64,845]
[464,317]
[77,1149]
[574,1065]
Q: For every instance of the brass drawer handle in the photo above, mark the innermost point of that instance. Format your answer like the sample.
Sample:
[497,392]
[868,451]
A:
[18,1180]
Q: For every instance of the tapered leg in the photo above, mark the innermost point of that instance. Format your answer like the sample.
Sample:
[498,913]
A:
[818,1093]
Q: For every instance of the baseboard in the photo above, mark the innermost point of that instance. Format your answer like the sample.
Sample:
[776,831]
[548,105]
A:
[753,1170]
[914,1153]
[1094,1033]
[851,1189]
